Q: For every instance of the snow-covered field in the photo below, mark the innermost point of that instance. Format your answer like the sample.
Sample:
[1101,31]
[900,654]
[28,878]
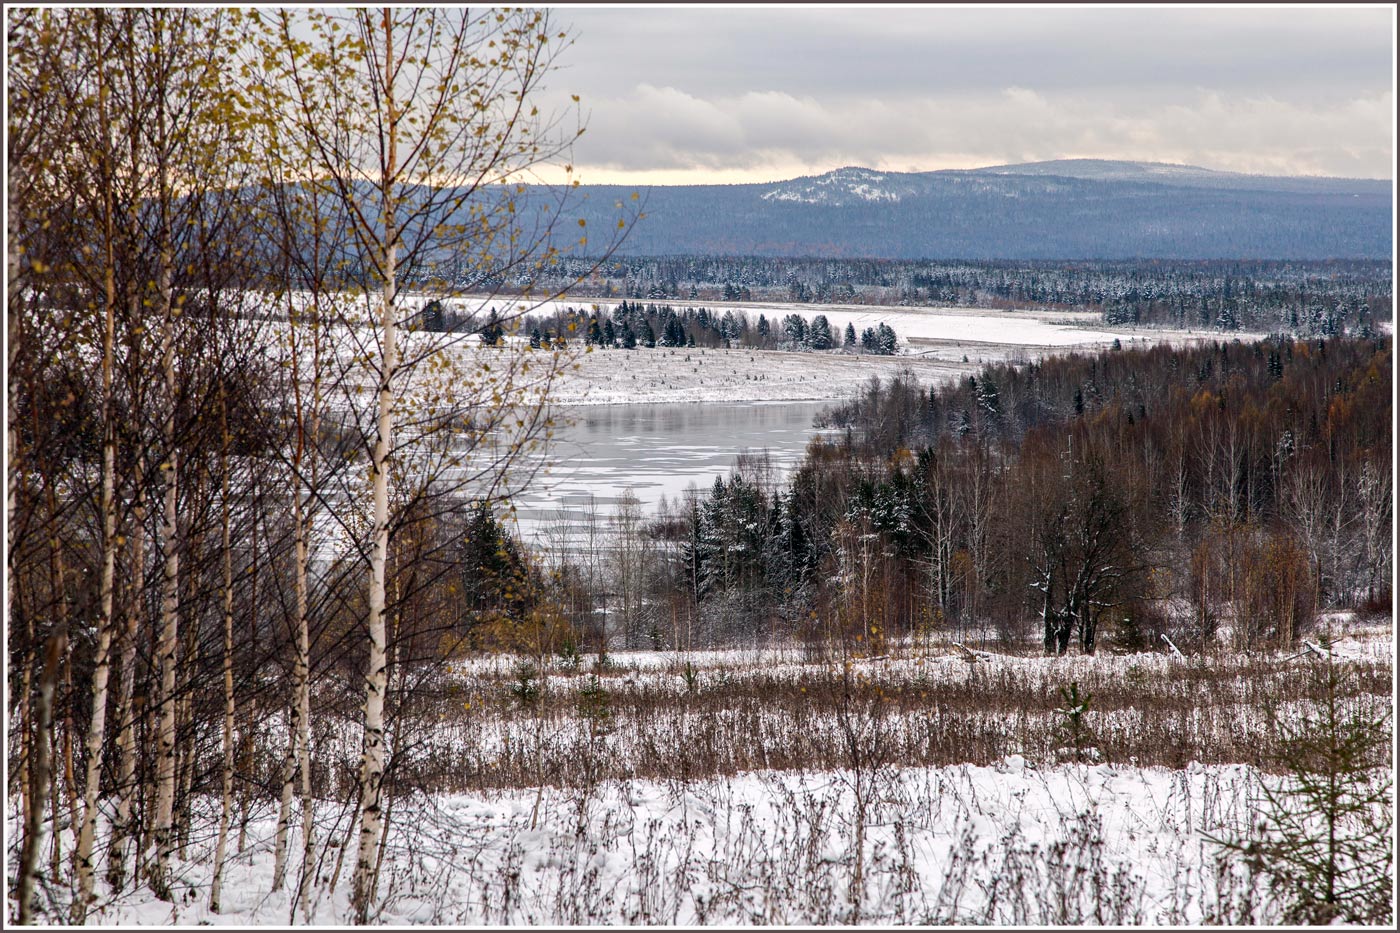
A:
[1026,837]
[613,377]
[1006,844]
[714,712]
[936,344]
[933,345]
[963,325]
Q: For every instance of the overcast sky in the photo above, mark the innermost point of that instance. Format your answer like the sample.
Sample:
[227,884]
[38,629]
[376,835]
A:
[701,95]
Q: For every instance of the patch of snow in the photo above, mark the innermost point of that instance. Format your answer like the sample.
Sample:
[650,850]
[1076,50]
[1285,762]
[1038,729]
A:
[834,188]
[960,844]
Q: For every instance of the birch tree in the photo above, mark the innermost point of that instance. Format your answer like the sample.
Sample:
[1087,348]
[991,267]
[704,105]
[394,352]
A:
[163,123]
[305,229]
[420,126]
[64,70]
[179,58]
[34,115]
[85,82]
[230,709]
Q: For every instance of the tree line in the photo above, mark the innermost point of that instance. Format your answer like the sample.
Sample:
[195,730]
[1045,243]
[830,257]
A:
[629,325]
[1306,299]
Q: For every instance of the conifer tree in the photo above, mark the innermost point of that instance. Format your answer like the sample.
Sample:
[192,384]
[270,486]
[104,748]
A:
[1324,832]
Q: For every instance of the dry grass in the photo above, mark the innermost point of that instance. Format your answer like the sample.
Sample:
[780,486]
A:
[466,732]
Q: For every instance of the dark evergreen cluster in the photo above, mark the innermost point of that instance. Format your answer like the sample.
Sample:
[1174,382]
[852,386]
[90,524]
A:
[743,553]
[632,324]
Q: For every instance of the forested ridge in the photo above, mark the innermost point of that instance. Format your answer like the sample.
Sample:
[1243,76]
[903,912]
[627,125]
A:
[1310,299]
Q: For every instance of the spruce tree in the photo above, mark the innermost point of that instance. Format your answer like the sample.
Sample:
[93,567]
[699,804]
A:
[1324,831]
[886,343]
[492,332]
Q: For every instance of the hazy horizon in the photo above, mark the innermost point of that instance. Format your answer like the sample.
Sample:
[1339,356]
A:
[632,178]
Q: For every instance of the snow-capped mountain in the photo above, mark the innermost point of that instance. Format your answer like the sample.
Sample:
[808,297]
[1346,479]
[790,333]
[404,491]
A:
[845,185]
[1184,176]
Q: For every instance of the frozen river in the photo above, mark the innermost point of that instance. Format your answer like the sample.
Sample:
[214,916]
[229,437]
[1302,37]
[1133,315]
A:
[654,450]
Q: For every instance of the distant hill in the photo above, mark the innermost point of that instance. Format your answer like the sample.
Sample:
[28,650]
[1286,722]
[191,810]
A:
[1190,176]
[1066,209]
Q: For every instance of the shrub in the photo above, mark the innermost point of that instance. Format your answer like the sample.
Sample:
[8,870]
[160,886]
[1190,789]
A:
[595,706]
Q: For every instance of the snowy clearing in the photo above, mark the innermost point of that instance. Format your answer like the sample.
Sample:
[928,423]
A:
[1006,844]
[1024,837]
[936,344]
[933,344]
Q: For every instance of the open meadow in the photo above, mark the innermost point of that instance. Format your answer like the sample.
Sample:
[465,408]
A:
[786,786]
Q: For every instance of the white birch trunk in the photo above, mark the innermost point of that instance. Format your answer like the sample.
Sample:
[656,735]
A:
[290,760]
[301,704]
[39,775]
[62,753]
[284,808]
[168,644]
[248,733]
[372,771]
[126,737]
[226,782]
[122,829]
[372,768]
[298,773]
[97,729]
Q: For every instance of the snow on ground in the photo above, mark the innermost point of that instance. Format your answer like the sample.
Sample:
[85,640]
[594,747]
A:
[962,325]
[941,655]
[1350,638]
[1210,708]
[1007,844]
[1024,840]
[612,377]
[937,344]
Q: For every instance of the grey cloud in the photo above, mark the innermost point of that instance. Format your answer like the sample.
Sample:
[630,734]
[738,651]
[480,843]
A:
[682,131]
[1284,90]
[831,51]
